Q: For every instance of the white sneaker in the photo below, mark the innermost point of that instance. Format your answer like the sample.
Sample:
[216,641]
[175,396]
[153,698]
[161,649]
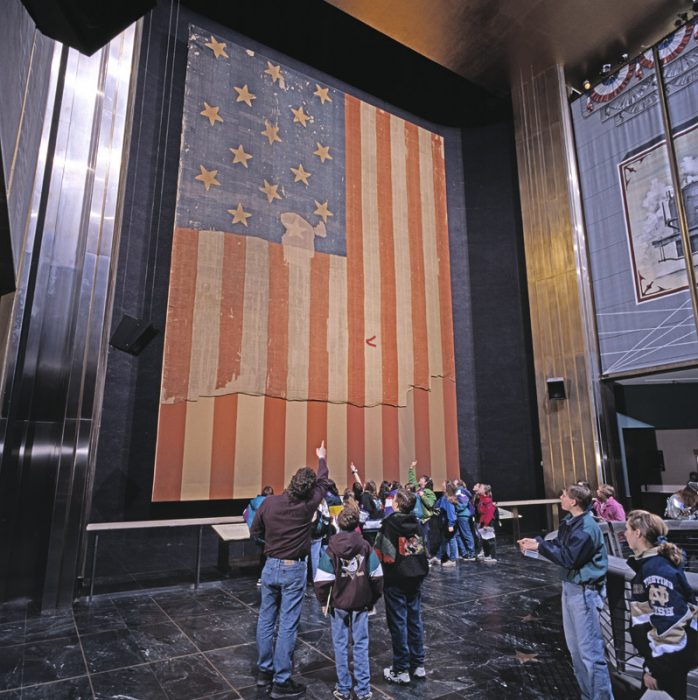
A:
[435,561]
[480,556]
[450,562]
[419,672]
[468,558]
[401,677]
[489,560]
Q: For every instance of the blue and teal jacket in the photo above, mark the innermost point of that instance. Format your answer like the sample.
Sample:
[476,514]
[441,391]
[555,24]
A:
[465,507]
[579,549]
[448,512]
[252,508]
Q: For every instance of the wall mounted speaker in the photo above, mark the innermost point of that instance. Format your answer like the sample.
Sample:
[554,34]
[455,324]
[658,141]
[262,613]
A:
[556,388]
[132,335]
[85,25]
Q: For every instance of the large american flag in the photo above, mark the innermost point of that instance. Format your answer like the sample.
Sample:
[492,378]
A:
[310,293]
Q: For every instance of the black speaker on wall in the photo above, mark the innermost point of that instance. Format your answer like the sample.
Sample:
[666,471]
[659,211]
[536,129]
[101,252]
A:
[132,335]
[85,25]
[556,388]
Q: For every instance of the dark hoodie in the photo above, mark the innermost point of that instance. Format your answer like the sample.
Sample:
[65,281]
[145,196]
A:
[349,572]
[400,548]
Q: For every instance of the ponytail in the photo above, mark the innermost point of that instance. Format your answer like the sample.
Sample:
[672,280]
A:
[654,530]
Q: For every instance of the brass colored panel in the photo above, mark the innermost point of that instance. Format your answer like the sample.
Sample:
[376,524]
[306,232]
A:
[567,427]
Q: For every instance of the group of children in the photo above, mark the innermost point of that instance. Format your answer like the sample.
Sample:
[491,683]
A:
[413,529]
[350,574]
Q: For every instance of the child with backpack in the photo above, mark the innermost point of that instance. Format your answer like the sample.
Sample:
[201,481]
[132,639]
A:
[349,581]
[425,493]
[447,525]
[400,548]
[248,515]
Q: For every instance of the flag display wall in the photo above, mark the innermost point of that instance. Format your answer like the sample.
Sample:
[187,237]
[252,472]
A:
[310,293]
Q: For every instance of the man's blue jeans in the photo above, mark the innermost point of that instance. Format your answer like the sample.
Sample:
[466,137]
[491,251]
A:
[345,622]
[581,606]
[404,614]
[283,588]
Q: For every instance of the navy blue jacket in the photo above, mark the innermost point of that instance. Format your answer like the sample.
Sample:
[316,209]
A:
[579,549]
[661,608]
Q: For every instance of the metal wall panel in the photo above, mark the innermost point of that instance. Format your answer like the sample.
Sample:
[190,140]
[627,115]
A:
[562,342]
[58,335]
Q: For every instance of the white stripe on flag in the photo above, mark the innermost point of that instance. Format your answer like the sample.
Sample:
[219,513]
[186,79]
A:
[403,289]
[198,439]
[373,364]
[206,319]
[431,260]
[253,364]
[299,341]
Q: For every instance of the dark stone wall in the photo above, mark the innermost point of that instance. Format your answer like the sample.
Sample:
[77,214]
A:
[508,450]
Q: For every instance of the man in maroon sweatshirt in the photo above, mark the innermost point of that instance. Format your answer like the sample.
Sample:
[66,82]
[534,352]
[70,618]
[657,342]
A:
[284,523]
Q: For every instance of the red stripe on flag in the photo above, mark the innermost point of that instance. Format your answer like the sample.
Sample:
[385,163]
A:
[446,307]
[232,296]
[422,438]
[277,322]
[391,443]
[316,429]
[167,483]
[180,314]
[445,301]
[225,417]
[387,259]
[274,443]
[414,217]
[354,237]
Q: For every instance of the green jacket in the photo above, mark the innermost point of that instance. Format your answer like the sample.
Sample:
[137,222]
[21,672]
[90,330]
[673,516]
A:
[427,496]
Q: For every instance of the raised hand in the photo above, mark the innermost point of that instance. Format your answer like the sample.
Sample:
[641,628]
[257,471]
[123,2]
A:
[321,451]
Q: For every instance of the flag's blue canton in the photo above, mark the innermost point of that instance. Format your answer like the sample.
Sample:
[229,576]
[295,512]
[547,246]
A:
[212,80]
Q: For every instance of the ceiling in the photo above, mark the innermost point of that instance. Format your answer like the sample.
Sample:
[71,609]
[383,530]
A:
[485,40]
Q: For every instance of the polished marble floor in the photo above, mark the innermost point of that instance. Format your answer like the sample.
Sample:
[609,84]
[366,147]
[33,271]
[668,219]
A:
[492,631]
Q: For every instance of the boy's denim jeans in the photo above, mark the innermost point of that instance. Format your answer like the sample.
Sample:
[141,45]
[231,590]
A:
[283,589]
[466,542]
[403,611]
[344,624]
[448,547]
[580,620]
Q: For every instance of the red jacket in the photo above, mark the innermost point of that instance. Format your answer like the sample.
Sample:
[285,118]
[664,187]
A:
[485,510]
